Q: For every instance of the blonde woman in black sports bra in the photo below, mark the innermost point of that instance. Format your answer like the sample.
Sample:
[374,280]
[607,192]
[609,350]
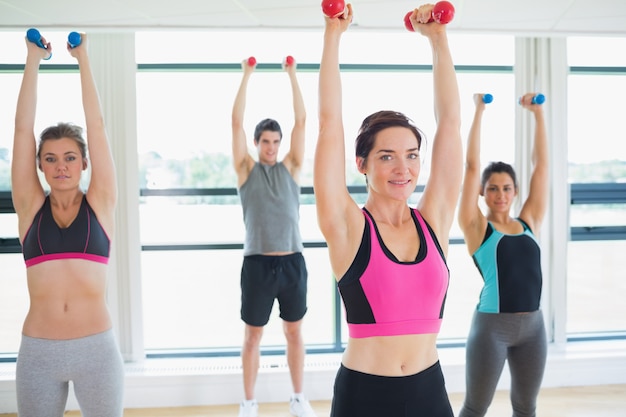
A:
[65,234]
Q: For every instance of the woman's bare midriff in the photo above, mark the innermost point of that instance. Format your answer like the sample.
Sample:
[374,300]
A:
[391,355]
[67,300]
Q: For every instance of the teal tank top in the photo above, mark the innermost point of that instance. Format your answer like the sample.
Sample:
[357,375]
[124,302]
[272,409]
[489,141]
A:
[510,266]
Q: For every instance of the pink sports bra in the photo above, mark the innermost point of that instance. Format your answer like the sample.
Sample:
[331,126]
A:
[385,297]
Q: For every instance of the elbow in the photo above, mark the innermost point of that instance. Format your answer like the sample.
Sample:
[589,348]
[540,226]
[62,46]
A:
[450,116]
[452,121]
[325,135]
[451,132]
[300,122]
[236,125]
[328,122]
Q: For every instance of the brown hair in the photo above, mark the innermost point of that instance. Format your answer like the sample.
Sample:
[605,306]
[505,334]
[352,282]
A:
[378,121]
[63,130]
[497,167]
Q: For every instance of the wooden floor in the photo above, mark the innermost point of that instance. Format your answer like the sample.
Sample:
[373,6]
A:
[593,401]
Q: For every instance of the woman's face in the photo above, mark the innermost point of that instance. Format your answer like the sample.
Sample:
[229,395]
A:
[393,164]
[499,192]
[62,163]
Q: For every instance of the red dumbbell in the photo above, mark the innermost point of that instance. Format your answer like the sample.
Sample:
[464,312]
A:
[252,61]
[333,8]
[289,60]
[443,13]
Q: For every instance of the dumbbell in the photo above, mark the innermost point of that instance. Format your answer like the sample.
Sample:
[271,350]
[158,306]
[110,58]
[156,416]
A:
[443,12]
[333,8]
[74,39]
[487,98]
[537,99]
[34,36]
[289,60]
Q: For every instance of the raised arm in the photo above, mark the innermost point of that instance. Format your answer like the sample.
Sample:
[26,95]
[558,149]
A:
[471,219]
[534,208]
[294,158]
[441,193]
[102,191]
[242,160]
[337,214]
[26,189]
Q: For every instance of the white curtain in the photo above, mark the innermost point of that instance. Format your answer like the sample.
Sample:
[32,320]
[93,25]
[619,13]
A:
[541,67]
[113,63]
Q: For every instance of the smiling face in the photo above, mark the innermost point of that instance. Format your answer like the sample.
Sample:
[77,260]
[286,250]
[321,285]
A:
[393,165]
[499,192]
[62,163]
[267,147]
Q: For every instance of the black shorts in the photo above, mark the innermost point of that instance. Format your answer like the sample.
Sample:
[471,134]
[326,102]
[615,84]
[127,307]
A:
[364,395]
[265,278]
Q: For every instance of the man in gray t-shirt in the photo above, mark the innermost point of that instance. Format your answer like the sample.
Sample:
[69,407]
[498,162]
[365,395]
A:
[273,265]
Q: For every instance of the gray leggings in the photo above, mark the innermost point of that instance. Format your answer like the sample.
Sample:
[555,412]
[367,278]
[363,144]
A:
[494,338]
[93,364]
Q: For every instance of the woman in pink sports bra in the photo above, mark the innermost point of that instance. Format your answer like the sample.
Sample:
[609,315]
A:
[390,367]
[67,334]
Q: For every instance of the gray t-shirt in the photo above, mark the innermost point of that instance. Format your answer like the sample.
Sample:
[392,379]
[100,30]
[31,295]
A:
[270,199]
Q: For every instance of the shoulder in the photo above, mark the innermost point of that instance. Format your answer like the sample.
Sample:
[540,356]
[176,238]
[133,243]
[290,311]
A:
[527,225]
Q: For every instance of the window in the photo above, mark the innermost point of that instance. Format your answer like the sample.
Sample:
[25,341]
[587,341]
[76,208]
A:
[190,218]
[597,173]
[184,140]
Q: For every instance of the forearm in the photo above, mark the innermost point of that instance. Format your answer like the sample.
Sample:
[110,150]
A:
[446,90]
[299,109]
[91,101]
[330,97]
[239,147]
[472,156]
[239,105]
[471,180]
[27,98]
[540,147]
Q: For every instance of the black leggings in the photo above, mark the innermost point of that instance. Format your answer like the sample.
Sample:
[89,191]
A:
[357,394]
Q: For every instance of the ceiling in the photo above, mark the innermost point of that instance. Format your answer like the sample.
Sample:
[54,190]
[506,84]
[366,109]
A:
[528,17]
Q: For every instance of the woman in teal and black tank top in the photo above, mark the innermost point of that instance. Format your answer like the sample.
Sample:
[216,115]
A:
[507,324]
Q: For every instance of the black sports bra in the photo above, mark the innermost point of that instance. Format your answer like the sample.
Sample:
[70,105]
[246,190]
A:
[84,238]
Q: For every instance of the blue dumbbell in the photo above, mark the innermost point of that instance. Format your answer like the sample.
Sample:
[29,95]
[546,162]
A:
[538,99]
[487,98]
[34,36]
[74,39]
